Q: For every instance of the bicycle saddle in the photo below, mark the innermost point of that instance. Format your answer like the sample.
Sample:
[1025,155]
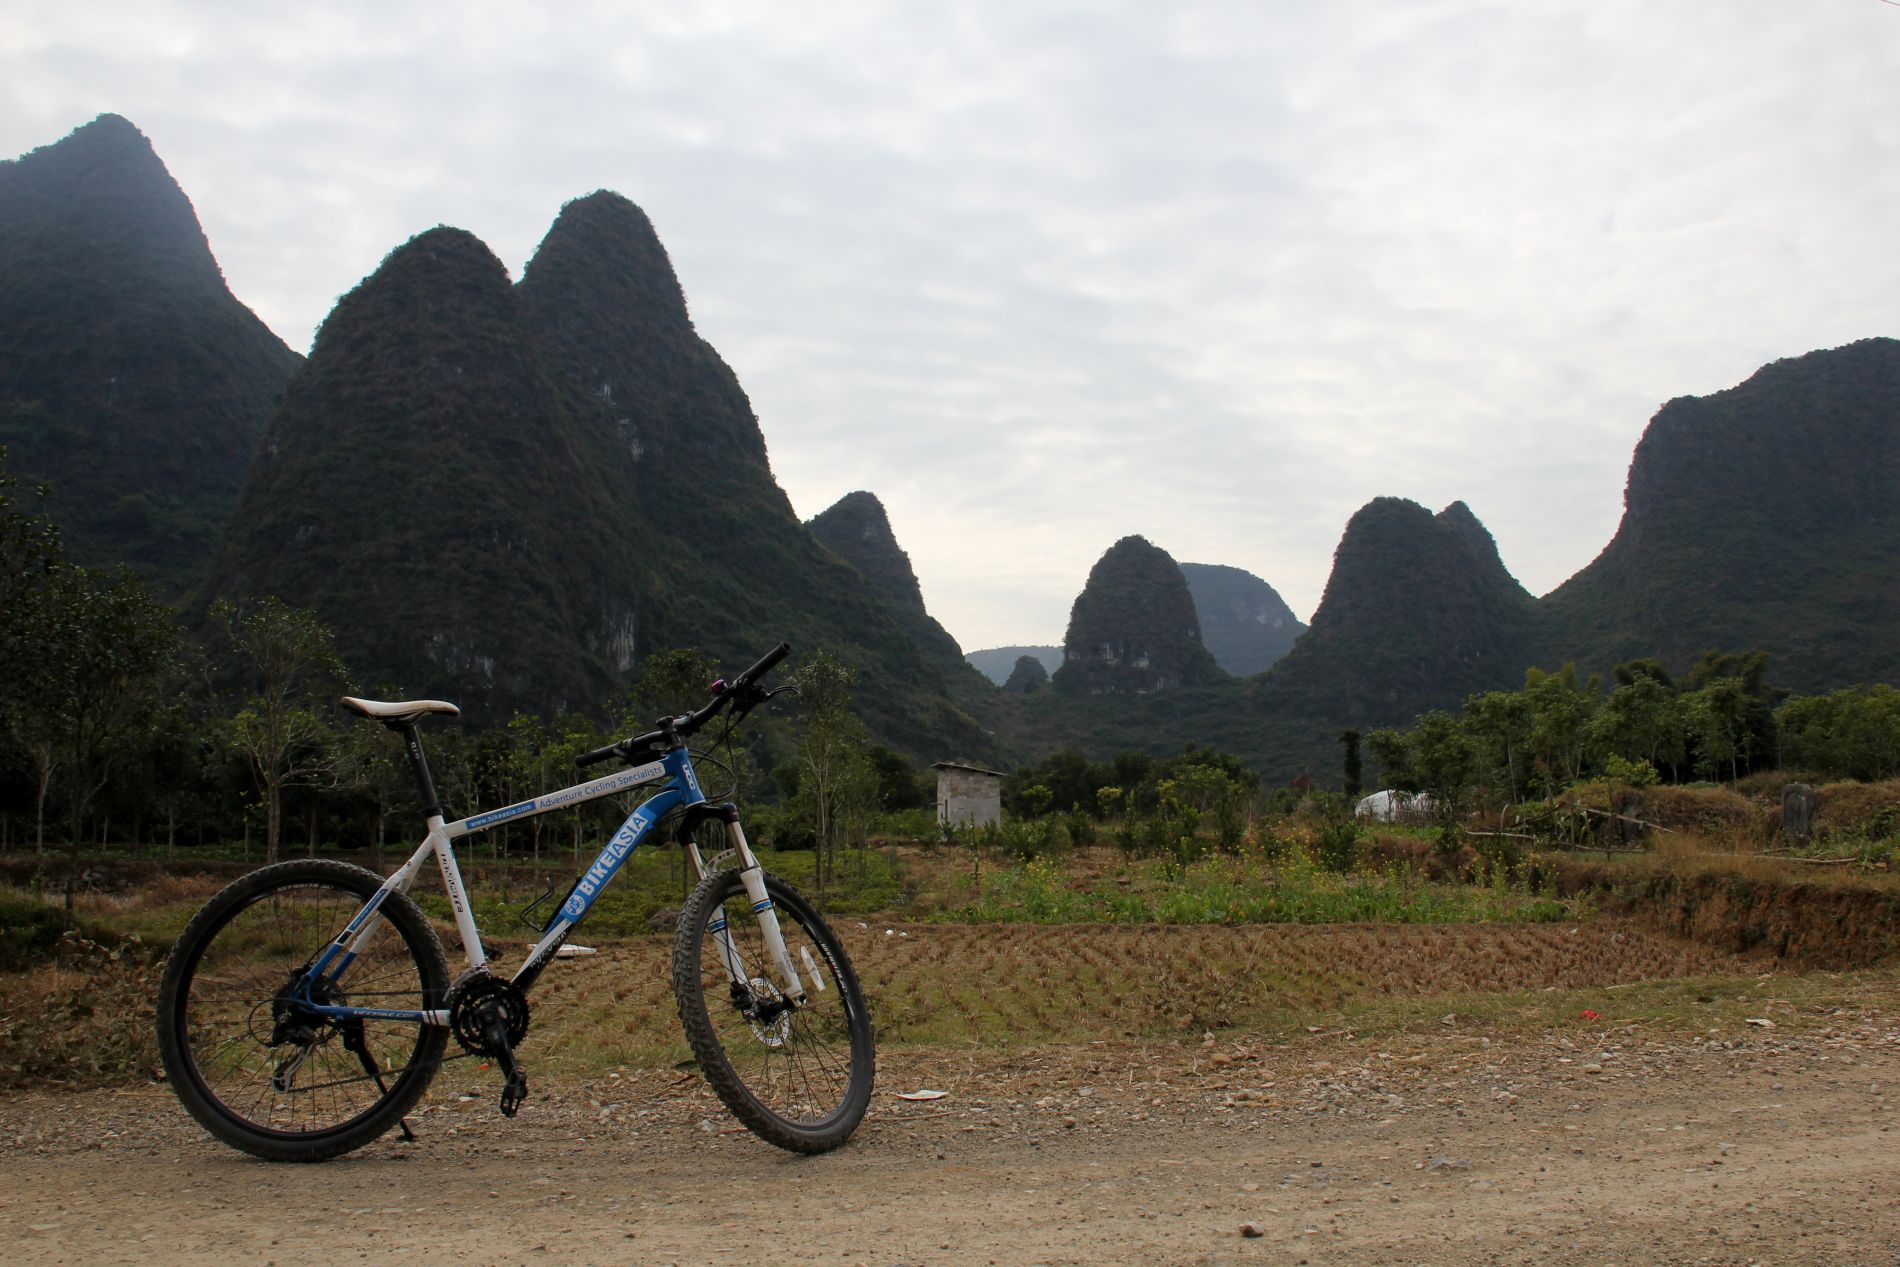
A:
[400,711]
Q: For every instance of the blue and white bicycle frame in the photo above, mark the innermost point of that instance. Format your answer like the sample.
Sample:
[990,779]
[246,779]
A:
[679,790]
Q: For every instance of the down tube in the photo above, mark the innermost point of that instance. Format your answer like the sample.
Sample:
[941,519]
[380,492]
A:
[581,897]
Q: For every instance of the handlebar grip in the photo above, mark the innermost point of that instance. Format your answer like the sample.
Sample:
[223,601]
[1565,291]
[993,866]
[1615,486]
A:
[764,665]
[597,755]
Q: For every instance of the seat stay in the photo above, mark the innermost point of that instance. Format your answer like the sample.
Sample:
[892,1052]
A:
[349,945]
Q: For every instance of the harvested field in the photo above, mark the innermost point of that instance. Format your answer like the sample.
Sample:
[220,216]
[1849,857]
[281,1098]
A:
[1012,985]
[961,985]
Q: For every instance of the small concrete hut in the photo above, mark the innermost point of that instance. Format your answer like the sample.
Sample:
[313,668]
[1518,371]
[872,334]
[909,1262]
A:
[968,795]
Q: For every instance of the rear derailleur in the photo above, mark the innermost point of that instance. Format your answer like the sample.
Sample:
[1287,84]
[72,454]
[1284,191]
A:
[489,1017]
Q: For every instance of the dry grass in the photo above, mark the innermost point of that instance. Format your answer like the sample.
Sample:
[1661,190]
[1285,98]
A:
[1002,986]
[1863,808]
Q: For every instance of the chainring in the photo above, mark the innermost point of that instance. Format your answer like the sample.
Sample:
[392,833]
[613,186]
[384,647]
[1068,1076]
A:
[473,999]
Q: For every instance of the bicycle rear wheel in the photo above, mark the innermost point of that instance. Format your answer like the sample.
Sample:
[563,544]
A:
[799,1076]
[277,1080]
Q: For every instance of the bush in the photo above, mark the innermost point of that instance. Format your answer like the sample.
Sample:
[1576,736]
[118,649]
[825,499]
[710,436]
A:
[29,931]
[1336,845]
[1866,809]
[1028,838]
[1713,811]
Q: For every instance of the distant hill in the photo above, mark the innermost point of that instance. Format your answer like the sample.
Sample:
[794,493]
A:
[1418,612]
[1026,676]
[131,380]
[508,495]
[1245,624]
[511,493]
[1133,629]
[1761,517]
[997,663]
[857,530]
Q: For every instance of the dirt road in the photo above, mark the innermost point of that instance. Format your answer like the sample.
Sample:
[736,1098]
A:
[1748,1144]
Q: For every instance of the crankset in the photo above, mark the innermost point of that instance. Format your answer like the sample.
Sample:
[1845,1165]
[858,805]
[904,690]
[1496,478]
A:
[489,1017]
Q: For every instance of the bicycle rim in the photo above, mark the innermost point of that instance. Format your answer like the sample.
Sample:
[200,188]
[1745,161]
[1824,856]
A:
[288,1085]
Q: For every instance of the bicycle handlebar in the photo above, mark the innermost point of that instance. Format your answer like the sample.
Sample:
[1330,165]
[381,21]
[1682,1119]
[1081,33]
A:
[672,729]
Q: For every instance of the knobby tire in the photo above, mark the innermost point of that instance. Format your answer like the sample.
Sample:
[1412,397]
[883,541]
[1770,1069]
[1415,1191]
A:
[799,1077]
[223,999]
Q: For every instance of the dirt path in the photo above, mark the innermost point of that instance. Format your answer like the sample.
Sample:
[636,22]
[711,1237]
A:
[1751,1144]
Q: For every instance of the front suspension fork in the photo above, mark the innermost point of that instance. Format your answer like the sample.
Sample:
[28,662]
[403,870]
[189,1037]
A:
[752,876]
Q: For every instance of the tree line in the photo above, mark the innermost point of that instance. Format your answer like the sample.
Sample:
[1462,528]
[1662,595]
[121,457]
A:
[117,724]
[1721,722]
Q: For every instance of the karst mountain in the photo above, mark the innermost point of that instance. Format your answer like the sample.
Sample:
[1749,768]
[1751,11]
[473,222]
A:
[132,382]
[509,493]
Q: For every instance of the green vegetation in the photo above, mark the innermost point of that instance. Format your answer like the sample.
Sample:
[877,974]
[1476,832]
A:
[1721,722]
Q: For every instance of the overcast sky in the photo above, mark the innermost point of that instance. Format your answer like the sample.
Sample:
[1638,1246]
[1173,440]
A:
[1041,275]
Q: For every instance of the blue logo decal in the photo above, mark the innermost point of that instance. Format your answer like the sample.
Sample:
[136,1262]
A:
[496,816]
[575,908]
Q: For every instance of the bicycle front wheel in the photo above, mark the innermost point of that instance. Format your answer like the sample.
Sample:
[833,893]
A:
[798,1074]
[269,1075]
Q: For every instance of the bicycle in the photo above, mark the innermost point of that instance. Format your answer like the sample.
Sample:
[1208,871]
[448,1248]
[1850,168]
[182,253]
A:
[306,1007]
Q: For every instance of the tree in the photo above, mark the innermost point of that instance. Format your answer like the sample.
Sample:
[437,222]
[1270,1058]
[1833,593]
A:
[1852,733]
[1560,711]
[1352,774]
[1642,720]
[673,680]
[30,563]
[1435,758]
[1718,717]
[1499,726]
[286,661]
[84,655]
[836,779]
[1746,731]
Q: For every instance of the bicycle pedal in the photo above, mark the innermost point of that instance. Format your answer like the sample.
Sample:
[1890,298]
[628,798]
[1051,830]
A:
[513,1092]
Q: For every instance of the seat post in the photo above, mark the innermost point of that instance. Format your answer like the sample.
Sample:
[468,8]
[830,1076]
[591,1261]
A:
[412,742]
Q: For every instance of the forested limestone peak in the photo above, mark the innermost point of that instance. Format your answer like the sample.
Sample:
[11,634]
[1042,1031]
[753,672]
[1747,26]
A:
[1245,624]
[1418,612]
[1761,516]
[1397,560]
[415,468]
[602,265]
[857,530]
[1026,676]
[1133,629]
[103,203]
[609,314]
[431,290]
[131,381]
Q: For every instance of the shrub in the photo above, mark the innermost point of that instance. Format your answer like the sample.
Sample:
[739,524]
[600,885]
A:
[1866,809]
[29,930]
[1027,838]
[1336,845]
[1713,811]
